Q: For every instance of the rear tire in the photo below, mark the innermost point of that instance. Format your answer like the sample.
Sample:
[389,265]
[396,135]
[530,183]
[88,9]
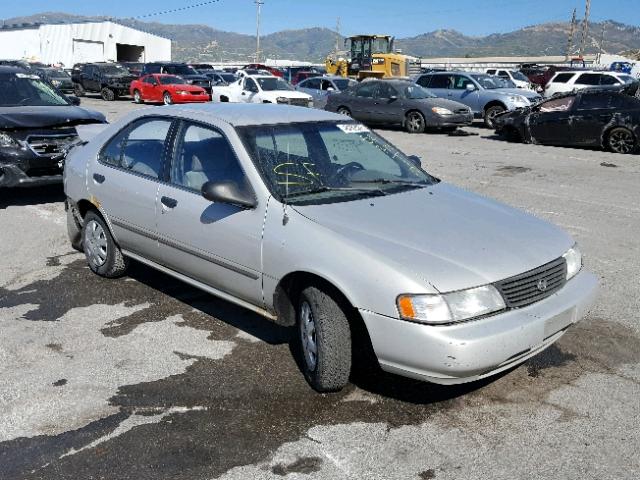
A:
[78,90]
[107,94]
[490,113]
[166,98]
[622,140]
[325,340]
[344,111]
[103,255]
[137,97]
[415,122]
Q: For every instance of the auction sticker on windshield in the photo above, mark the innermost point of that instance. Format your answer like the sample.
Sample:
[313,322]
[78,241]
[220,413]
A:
[352,128]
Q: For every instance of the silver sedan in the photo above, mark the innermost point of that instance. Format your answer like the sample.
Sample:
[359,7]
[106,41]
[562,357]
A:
[321,87]
[314,221]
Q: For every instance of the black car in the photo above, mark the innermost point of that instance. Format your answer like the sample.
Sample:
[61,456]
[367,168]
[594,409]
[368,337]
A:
[37,126]
[56,77]
[191,76]
[110,80]
[135,68]
[590,118]
[399,102]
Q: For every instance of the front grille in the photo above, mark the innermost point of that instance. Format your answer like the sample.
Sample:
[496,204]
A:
[44,171]
[534,285]
[462,111]
[49,145]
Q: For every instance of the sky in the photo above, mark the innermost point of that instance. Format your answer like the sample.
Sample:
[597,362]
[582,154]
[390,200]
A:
[402,18]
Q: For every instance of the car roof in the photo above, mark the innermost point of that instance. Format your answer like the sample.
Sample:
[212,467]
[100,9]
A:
[246,114]
[11,69]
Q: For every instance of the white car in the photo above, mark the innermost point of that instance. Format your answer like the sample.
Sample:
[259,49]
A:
[518,78]
[563,81]
[261,89]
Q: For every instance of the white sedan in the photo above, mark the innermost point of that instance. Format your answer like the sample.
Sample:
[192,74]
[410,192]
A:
[261,89]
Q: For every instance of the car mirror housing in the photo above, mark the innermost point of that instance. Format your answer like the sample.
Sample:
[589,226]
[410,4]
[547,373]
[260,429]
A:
[393,98]
[416,160]
[230,193]
[470,87]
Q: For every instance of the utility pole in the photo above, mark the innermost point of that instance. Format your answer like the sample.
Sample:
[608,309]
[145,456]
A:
[572,32]
[259,4]
[604,27]
[585,28]
[338,37]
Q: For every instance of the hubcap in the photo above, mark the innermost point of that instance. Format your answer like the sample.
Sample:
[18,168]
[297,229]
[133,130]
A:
[167,100]
[415,122]
[308,336]
[95,244]
[492,114]
[344,111]
[621,141]
[136,96]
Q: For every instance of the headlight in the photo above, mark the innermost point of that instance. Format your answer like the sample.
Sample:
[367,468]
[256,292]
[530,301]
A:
[574,261]
[441,111]
[451,307]
[282,100]
[6,140]
[518,99]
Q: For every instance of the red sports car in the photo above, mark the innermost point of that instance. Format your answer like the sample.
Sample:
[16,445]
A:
[167,89]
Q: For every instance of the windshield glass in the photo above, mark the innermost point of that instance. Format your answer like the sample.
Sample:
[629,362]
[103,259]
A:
[343,84]
[273,83]
[171,80]
[58,74]
[488,82]
[114,70]
[519,76]
[416,92]
[626,78]
[329,162]
[181,70]
[19,89]
[504,82]
[228,77]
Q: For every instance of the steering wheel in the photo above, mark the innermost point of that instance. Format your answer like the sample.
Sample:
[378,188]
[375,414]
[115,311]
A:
[351,166]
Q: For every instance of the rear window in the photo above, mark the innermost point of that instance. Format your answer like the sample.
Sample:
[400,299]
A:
[594,102]
[562,78]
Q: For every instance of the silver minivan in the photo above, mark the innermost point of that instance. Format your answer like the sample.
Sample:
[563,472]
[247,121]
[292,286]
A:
[314,221]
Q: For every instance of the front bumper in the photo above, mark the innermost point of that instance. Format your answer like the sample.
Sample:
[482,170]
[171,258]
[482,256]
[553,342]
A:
[190,98]
[457,120]
[469,351]
[13,176]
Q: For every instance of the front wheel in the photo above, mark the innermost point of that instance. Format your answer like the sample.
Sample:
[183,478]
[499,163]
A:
[78,90]
[415,122]
[344,111]
[107,94]
[137,98]
[325,341]
[166,98]
[490,114]
[621,140]
[103,255]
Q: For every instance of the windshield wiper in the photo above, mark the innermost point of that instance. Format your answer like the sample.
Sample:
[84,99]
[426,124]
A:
[362,191]
[385,181]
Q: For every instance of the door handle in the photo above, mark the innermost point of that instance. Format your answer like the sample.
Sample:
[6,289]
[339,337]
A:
[169,202]
[98,178]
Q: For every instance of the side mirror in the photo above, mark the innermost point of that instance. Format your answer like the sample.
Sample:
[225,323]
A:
[74,100]
[471,87]
[416,160]
[393,98]
[228,192]
[331,89]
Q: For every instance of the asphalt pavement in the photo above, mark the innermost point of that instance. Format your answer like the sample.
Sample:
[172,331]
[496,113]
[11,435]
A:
[145,377]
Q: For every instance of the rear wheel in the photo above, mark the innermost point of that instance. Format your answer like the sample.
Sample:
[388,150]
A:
[621,140]
[491,113]
[78,90]
[344,111]
[103,255]
[415,122]
[166,98]
[325,340]
[107,94]
[137,98]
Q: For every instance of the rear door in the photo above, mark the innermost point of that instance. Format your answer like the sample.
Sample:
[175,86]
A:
[125,182]
[214,243]
[592,113]
[388,107]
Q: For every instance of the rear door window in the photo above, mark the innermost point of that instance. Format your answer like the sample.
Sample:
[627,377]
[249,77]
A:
[440,81]
[562,78]
[608,80]
[594,102]
[589,79]
[313,83]
[367,90]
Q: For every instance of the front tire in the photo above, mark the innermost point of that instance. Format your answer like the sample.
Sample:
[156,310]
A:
[325,341]
[78,90]
[415,122]
[344,111]
[491,113]
[103,255]
[622,140]
[137,97]
[107,94]
[166,98]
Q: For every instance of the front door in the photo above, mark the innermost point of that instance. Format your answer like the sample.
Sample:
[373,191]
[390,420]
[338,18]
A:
[550,123]
[215,243]
[592,113]
[388,106]
[125,179]
[363,101]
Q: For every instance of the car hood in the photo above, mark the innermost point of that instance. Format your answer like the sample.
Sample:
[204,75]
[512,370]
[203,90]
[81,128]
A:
[285,93]
[440,102]
[449,238]
[530,94]
[42,117]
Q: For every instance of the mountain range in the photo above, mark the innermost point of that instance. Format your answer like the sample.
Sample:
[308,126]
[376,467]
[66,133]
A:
[202,43]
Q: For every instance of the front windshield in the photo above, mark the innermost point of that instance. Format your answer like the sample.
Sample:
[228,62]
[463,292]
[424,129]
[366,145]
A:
[487,81]
[343,84]
[171,80]
[269,84]
[58,74]
[519,76]
[21,89]
[114,70]
[181,70]
[321,162]
[504,82]
[416,92]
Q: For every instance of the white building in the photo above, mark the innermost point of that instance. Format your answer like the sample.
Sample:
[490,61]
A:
[72,43]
